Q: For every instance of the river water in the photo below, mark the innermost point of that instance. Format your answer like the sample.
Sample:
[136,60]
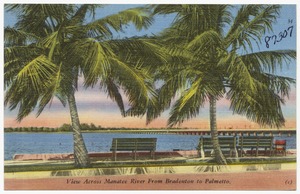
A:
[38,143]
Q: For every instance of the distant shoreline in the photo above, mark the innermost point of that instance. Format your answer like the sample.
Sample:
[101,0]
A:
[144,130]
[92,128]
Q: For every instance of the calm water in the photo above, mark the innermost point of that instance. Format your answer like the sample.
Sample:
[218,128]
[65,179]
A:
[35,143]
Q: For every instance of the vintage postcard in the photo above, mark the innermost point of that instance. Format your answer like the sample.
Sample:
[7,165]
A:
[145,96]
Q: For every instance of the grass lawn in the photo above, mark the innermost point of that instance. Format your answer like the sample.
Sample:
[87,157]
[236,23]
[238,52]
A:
[147,163]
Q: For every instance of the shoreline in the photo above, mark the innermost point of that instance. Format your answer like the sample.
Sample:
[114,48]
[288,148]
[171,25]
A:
[221,132]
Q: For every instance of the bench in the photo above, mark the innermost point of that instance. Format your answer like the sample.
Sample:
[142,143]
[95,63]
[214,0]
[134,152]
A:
[134,145]
[205,143]
[255,143]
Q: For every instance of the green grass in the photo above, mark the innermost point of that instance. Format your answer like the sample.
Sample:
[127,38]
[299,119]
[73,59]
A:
[70,166]
[38,167]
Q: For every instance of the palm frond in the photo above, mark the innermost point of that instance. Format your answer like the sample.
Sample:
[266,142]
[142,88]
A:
[192,17]
[52,88]
[36,71]
[135,82]
[113,92]
[50,42]
[40,19]
[250,24]
[21,53]
[14,37]
[187,106]
[92,56]
[15,98]
[193,98]
[82,12]
[140,52]
[205,41]
[32,79]
[173,37]
[140,17]
[15,58]
[165,8]
[242,17]
[264,104]
[152,109]
[102,27]
[268,60]
[238,72]
[165,93]
[280,85]
[223,18]
[263,109]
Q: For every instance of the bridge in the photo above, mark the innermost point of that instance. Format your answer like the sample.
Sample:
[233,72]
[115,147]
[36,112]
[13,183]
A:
[221,132]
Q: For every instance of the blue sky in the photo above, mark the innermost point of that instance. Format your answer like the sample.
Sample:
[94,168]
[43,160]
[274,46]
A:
[95,107]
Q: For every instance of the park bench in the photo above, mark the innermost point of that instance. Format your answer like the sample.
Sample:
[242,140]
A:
[255,143]
[134,145]
[226,143]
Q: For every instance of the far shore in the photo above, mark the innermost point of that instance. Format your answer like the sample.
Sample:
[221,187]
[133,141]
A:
[162,130]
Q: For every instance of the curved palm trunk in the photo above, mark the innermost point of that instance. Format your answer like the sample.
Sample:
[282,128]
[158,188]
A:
[80,152]
[219,157]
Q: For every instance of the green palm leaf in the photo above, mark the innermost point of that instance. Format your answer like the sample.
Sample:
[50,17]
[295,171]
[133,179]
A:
[18,37]
[52,88]
[205,41]
[15,58]
[280,84]
[238,73]
[140,52]
[33,78]
[263,109]
[250,24]
[102,27]
[189,104]
[268,60]
[93,57]
[135,83]
[36,72]
[113,92]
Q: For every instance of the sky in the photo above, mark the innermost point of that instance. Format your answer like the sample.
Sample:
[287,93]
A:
[95,107]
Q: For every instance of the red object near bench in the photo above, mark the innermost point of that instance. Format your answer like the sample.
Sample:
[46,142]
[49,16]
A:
[279,147]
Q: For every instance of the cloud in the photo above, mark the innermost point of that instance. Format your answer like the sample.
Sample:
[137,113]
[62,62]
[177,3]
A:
[48,120]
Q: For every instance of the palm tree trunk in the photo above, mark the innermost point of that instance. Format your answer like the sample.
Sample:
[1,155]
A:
[80,152]
[219,157]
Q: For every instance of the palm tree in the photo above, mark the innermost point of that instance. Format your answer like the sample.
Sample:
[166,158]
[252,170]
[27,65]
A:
[51,46]
[213,57]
